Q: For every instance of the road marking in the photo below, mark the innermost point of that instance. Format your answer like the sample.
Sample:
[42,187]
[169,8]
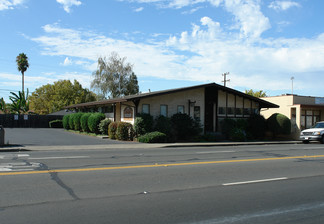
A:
[61,157]
[211,152]
[255,181]
[159,165]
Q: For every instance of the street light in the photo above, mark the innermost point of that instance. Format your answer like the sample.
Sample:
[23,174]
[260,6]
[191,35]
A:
[292,85]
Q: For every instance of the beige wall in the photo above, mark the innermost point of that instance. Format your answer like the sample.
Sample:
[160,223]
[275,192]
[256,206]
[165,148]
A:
[172,100]
[285,103]
[123,107]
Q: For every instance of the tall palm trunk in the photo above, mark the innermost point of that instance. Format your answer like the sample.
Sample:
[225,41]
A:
[23,82]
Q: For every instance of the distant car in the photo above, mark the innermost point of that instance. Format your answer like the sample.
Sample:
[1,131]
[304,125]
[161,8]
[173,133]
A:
[315,133]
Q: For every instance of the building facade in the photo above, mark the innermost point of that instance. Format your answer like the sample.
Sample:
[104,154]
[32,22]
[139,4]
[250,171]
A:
[303,111]
[209,103]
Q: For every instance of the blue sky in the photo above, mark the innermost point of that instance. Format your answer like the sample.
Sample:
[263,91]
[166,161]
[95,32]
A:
[171,43]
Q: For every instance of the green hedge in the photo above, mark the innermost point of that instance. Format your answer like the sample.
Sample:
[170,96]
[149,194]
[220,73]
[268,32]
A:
[84,122]
[56,124]
[65,121]
[71,121]
[279,124]
[112,129]
[103,126]
[143,124]
[185,127]
[77,121]
[153,137]
[94,121]
[125,131]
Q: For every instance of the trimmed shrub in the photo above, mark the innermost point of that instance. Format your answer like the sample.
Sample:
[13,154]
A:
[153,137]
[143,124]
[238,135]
[94,121]
[125,131]
[112,129]
[77,121]
[56,124]
[163,124]
[71,121]
[65,121]
[103,126]
[84,122]
[256,126]
[227,125]
[184,126]
[279,124]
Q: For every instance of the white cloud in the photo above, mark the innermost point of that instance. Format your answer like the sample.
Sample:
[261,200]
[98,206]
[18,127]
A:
[139,9]
[9,4]
[201,54]
[67,61]
[67,4]
[283,5]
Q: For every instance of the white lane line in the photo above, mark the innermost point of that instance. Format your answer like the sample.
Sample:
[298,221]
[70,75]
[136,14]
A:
[211,152]
[65,157]
[255,181]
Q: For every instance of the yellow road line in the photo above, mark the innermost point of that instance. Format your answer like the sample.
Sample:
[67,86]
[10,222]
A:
[153,165]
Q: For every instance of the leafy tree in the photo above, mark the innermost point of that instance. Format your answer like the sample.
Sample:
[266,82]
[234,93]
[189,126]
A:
[256,93]
[3,106]
[22,65]
[114,77]
[54,97]
[19,103]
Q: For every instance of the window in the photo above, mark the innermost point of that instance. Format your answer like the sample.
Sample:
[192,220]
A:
[164,110]
[221,110]
[146,108]
[239,111]
[180,109]
[230,110]
[197,112]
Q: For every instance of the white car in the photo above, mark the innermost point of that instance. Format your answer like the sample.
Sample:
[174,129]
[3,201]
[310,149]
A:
[315,133]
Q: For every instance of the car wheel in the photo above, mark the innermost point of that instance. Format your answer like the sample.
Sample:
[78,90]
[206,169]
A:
[322,140]
[305,141]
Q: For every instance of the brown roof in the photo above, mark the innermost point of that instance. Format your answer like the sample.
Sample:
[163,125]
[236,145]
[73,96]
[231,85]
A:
[263,103]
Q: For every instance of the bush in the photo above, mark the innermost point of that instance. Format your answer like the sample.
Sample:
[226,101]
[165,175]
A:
[65,121]
[84,122]
[238,135]
[71,121]
[94,121]
[153,137]
[112,129]
[103,126]
[163,124]
[256,126]
[77,121]
[125,131]
[279,124]
[184,126]
[227,126]
[143,124]
[56,124]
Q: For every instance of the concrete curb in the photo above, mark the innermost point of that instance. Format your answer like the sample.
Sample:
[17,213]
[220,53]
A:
[138,146]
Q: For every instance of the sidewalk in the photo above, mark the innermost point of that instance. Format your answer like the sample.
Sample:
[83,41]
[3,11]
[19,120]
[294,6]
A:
[132,145]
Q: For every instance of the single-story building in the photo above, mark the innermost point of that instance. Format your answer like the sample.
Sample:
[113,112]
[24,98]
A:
[210,103]
[303,111]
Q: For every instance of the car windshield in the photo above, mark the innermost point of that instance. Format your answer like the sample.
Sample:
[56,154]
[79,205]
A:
[319,125]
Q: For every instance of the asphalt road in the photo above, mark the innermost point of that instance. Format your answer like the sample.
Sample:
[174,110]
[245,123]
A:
[51,137]
[243,184]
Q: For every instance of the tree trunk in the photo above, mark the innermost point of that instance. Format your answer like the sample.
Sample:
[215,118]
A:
[22,81]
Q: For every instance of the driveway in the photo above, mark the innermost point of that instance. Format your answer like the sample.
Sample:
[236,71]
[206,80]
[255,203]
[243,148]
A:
[51,137]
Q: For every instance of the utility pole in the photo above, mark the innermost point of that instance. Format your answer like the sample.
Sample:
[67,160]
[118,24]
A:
[225,80]
[292,85]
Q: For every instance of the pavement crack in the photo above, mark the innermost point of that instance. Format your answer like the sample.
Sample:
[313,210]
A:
[58,181]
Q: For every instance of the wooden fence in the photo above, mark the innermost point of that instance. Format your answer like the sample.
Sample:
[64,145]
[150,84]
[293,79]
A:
[27,121]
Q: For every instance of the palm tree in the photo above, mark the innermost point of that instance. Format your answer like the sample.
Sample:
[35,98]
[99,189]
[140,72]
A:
[22,63]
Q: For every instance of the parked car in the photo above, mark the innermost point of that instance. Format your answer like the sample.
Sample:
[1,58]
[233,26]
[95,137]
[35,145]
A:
[315,133]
